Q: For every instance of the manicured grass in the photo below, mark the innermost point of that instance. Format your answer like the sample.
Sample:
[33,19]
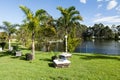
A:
[83,67]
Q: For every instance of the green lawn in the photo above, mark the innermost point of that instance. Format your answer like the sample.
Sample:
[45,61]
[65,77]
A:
[83,67]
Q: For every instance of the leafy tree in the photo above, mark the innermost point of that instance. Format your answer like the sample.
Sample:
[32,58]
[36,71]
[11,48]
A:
[9,29]
[118,28]
[73,41]
[108,33]
[97,30]
[80,28]
[48,30]
[88,33]
[23,34]
[33,21]
[48,27]
[69,16]
[102,32]
[68,19]
[3,36]
[48,33]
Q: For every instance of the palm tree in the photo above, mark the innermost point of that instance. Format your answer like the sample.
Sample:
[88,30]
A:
[69,17]
[33,21]
[9,29]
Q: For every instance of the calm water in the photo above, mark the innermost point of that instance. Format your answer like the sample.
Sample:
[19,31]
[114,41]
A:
[104,47]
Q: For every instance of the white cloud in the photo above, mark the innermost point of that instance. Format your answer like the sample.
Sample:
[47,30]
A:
[107,0]
[112,4]
[118,9]
[99,0]
[98,15]
[109,19]
[100,5]
[83,1]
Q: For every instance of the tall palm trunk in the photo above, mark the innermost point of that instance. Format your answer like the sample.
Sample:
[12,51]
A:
[66,42]
[9,43]
[33,44]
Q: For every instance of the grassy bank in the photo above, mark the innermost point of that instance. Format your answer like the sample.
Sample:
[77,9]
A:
[83,67]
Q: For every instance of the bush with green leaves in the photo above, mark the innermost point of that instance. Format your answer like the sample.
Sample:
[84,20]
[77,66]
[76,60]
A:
[73,43]
[29,56]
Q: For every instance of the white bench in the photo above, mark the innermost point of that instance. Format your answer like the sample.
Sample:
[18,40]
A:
[60,63]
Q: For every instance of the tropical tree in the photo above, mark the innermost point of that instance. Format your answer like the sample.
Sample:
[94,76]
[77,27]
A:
[33,21]
[108,33]
[3,37]
[9,29]
[69,17]
[47,31]
[23,34]
[118,28]
[80,29]
[98,30]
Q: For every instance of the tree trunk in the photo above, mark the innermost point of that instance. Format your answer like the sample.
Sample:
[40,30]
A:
[66,42]
[47,47]
[66,50]
[33,45]
[9,43]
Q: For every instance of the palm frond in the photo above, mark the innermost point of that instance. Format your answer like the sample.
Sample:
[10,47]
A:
[62,10]
[7,24]
[40,12]
[27,12]
[77,18]
[70,9]
[74,13]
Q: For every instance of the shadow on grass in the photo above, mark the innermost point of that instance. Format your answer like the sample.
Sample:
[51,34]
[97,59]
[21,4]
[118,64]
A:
[23,58]
[97,56]
[12,55]
[19,57]
[15,57]
[6,53]
[59,78]
[50,62]
[51,65]
[46,59]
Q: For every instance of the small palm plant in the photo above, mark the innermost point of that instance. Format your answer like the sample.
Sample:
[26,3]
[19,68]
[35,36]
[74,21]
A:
[9,29]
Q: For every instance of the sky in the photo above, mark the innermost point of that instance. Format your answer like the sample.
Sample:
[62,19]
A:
[92,11]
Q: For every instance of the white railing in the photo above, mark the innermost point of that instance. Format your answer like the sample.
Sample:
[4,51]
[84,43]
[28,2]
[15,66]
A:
[55,41]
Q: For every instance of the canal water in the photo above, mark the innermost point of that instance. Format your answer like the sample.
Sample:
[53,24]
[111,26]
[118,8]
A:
[111,47]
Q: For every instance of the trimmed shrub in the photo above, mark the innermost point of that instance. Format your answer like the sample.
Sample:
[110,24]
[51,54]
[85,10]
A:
[29,56]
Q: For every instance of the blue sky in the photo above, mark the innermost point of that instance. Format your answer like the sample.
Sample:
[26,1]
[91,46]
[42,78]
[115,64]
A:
[92,11]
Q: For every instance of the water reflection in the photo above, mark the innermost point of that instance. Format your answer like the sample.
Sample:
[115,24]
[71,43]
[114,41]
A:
[99,46]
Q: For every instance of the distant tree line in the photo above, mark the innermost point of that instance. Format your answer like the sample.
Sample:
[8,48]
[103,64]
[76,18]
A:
[100,31]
